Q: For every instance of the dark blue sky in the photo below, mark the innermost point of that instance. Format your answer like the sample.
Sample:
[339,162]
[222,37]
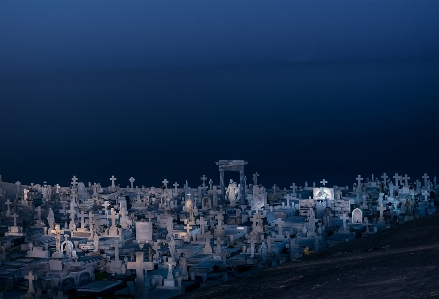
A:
[153,89]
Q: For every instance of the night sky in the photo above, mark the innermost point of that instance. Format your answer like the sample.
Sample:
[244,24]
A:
[302,90]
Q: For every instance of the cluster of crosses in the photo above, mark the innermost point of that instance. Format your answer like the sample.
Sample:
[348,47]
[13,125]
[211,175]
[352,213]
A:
[166,238]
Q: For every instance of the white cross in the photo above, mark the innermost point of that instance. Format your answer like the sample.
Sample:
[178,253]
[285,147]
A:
[31,279]
[425,177]
[396,177]
[344,218]
[116,246]
[293,187]
[112,179]
[324,182]
[170,265]
[359,179]
[139,265]
[8,203]
[175,186]
[82,216]
[132,181]
[203,178]
[406,178]
[74,181]
[384,177]
[165,182]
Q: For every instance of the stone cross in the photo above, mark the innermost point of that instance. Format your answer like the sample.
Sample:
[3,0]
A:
[288,197]
[175,186]
[344,218]
[324,182]
[255,179]
[187,226]
[207,249]
[171,264]
[8,203]
[204,178]
[210,184]
[201,222]
[381,208]
[406,182]
[132,181]
[220,218]
[359,179]
[74,181]
[112,179]
[15,219]
[116,246]
[293,187]
[31,279]
[156,248]
[139,265]
[425,177]
[165,183]
[82,216]
[384,177]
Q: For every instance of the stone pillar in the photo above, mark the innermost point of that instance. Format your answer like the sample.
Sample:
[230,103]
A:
[222,185]
[242,200]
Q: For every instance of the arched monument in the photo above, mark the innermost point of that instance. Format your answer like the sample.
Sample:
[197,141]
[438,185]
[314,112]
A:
[233,165]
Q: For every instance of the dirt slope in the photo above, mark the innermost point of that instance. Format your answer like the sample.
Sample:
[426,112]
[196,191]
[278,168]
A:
[401,262]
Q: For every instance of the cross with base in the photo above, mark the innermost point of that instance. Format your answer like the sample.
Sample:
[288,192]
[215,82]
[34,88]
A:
[218,242]
[294,187]
[425,177]
[324,182]
[132,181]
[114,217]
[171,264]
[31,279]
[106,205]
[139,265]
[204,178]
[359,179]
[82,217]
[165,183]
[15,219]
[175,186]
[74,181]
[156,248]
[112,179]
[397,178]
[381,209]
[384,177]
[8,203]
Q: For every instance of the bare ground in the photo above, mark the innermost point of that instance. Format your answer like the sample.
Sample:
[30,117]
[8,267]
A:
[400,262]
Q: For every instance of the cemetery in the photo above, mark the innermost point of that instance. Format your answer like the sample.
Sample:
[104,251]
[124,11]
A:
[105,240]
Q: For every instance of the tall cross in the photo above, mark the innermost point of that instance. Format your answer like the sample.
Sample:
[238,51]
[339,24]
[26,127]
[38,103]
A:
[139,265]
[156,248]
[359,179]
[210,184]
[324,182]
[15,219]
[255,178]
[294,187]
[279,224]
[170,265]
[106,205]
[30,277]
[165,183]
[82,217]
[406,180]
[204,178]
[114,217]
[8,203]
[425,177]
[132,181]
[288,197]
[384,177]
[116,246]
[175,186]
[381,208]
[74,181]
[112,179]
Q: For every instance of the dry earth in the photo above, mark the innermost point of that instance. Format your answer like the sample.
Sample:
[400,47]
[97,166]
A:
[401,262]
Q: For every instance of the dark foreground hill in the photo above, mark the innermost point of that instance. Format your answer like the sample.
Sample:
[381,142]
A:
[401,262]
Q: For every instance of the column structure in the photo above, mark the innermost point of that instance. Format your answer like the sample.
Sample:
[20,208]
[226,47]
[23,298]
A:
[232,165]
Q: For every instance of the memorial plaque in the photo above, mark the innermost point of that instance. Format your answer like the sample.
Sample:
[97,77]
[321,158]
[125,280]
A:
[143,232]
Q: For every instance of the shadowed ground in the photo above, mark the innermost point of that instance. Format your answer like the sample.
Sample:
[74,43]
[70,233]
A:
[401,262]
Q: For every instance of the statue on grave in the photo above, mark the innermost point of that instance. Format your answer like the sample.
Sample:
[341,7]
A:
[232,191]
[322,194]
